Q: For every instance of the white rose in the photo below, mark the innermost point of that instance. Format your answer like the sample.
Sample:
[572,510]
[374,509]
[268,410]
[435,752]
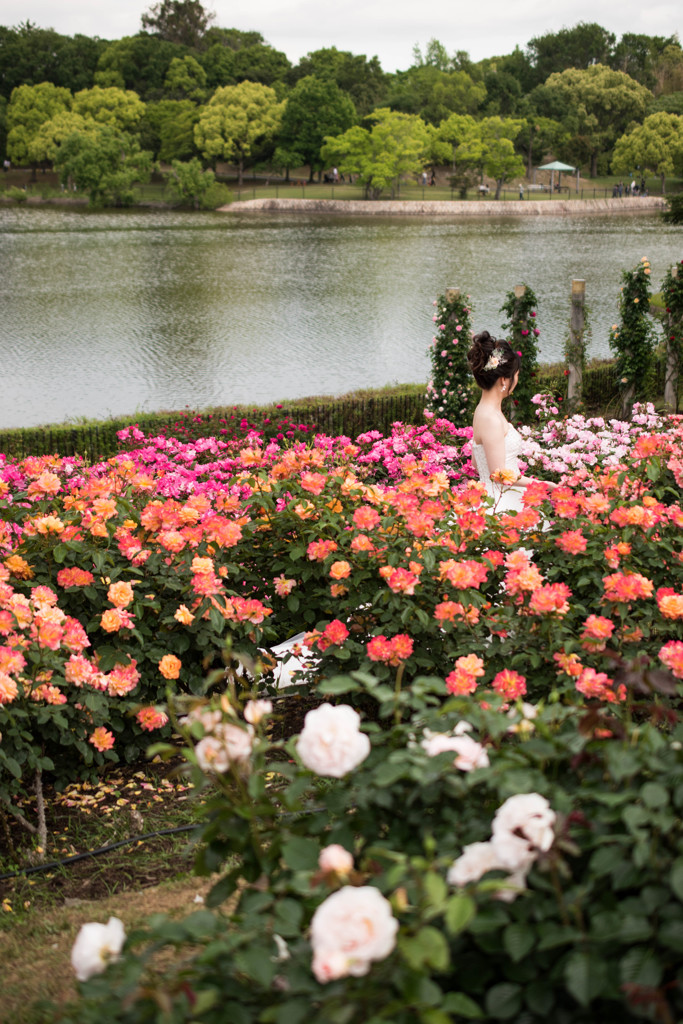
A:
[226,745]
[351,928]
[522,828]
[335,858]
[255,710]
[474,861]
[470,753]
[95,946]
[331,742]
[512,886]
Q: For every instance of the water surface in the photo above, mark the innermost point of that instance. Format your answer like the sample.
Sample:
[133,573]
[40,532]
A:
[123,312]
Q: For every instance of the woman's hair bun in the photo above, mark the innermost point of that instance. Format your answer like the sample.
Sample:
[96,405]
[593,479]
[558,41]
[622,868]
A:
[492,358]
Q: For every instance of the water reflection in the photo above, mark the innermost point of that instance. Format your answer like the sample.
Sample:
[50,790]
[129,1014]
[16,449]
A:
[121,312]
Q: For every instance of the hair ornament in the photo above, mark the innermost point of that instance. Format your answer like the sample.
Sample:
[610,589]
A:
[495,359]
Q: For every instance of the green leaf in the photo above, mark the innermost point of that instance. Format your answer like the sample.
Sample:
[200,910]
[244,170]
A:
[435,889]
[654,795]
[504,1001]
[301,854]
[670,933]
[584,976]
[459,912]
[427,949]
[518,939]
[539,997]
[676,878]
[339,684]
[288,916]
[640,967]
[434,1016]
[462,1006]
[59,553]
[389,772]
[255,961]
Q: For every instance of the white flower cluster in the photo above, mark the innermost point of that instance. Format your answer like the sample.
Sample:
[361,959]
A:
[522,829]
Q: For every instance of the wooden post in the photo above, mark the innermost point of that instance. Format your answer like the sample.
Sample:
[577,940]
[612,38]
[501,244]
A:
[575,348]
[672,368]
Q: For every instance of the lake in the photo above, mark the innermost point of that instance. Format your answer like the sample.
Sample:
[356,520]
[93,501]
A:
[122,312]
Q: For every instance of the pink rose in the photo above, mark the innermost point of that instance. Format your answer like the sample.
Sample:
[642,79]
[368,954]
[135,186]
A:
[470,753]
[226,745]
[349,930]
[331,742]
[334,859]
[522,828]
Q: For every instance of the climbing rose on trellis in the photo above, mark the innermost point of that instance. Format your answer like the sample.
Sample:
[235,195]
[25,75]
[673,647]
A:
[450,391]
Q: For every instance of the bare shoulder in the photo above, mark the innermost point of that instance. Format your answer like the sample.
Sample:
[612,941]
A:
[487,424]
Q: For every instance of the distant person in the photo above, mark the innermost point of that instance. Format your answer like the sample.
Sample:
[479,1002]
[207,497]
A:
[521,191]
[335,175]
[5,165]
[424,178]
[432,180]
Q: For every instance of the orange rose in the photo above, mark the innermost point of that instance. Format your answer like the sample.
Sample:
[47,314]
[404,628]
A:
[170,666]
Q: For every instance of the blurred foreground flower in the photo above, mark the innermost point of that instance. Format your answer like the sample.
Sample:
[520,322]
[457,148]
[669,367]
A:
[331,742]
[353,927]
[95,946]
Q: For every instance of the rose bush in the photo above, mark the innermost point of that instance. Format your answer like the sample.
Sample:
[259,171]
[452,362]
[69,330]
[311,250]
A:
[546,884]
[128,579]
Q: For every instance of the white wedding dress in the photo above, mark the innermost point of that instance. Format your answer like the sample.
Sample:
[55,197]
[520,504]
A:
[506,498]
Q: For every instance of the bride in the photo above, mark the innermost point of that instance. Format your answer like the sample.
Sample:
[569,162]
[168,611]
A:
[496,445]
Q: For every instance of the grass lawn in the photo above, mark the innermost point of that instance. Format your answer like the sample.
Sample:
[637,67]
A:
[41,913]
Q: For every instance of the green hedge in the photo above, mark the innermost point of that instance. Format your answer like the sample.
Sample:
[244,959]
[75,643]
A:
[349,415]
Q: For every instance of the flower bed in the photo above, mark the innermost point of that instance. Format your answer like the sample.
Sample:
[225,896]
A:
[155,583]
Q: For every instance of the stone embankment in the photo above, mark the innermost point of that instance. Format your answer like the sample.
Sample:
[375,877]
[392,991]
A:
[454,208]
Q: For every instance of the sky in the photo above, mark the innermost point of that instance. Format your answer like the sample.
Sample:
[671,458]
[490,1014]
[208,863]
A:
[386,29]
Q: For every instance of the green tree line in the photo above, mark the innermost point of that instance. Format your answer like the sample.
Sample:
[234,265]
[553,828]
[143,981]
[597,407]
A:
[186,92]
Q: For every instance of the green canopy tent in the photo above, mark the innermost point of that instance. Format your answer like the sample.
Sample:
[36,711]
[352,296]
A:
[558,166]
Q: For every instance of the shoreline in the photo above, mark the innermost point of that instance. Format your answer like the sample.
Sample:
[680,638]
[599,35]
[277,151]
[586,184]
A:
[451,208]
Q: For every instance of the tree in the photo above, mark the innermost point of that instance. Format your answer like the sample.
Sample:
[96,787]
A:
[139,63]
[460,135]
[540,135]
[45,144]
[499,158]
[313,110]
[598,105]
[433,94]
[668,71]
[178,21]
[234,119]
[189,182]
[655,145]
[362,79]
[580,47]
[29,55]
[168,129]
[185,79]
[103,162]
[394,145]
[30,107]
[119,108]
[637,55]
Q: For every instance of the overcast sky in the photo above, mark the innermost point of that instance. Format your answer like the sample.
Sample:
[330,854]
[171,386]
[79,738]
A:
[373,27]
